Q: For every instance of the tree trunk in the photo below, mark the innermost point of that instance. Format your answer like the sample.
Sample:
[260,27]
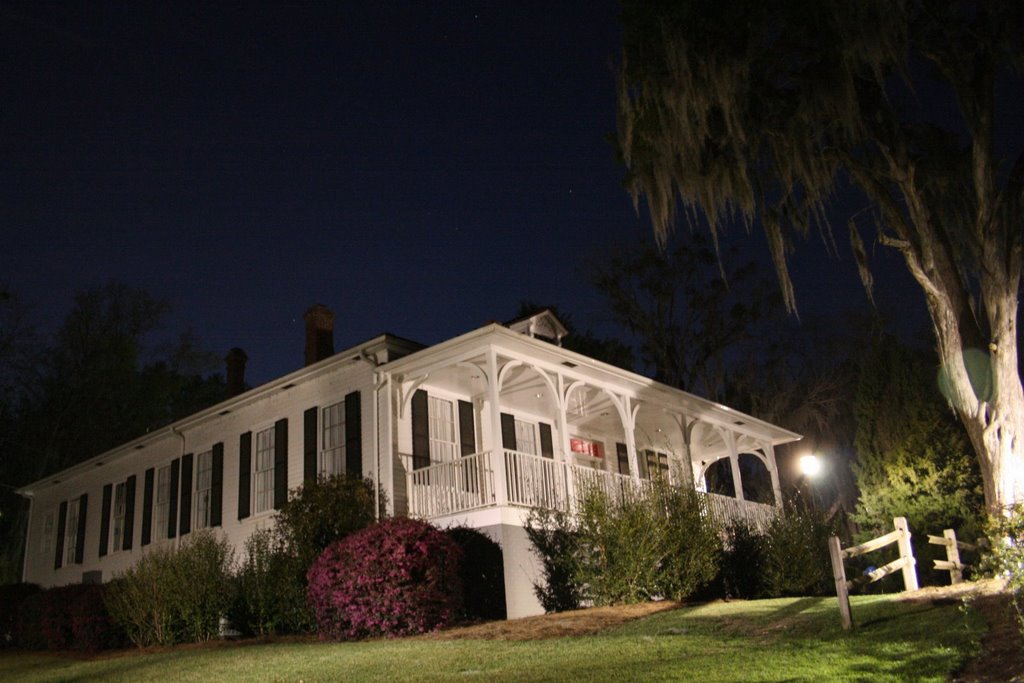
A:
[991,406]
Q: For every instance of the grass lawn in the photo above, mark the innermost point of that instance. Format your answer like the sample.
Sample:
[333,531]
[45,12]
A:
[788,639]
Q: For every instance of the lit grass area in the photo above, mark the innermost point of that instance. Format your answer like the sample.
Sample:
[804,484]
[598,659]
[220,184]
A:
[766,640]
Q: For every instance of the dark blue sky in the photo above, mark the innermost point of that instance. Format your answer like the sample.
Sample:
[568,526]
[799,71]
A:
[418,167]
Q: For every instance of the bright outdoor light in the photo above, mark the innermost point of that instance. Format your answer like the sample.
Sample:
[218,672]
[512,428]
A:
[810,465]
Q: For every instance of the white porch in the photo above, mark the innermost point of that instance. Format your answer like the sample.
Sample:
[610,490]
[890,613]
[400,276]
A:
[496,418]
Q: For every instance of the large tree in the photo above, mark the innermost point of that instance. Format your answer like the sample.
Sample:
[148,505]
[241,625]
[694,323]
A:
[690,323]
[101,381]
[895,112]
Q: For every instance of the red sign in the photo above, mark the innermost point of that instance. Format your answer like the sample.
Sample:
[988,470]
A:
[586,447]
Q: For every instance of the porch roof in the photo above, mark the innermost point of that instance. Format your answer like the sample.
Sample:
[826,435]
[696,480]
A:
[577,367]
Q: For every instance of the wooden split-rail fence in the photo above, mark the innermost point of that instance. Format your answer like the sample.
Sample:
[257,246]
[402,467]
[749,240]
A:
[905,562]
[952,563]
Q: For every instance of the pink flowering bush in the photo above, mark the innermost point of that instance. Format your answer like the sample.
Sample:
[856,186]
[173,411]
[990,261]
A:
[395,578]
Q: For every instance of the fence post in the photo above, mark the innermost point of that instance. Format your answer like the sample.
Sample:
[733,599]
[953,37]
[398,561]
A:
[835,551]
[956,575]
[906,551]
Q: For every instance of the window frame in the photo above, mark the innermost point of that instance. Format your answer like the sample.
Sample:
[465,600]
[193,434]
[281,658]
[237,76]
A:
[161,521]
[49,533]
[71,531]
[266,474]
[203,494]
[334,454]
[442,450]
[118,509]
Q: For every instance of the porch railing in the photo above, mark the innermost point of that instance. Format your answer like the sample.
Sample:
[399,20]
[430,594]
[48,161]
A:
[467,483]
[450,487]
[723,508]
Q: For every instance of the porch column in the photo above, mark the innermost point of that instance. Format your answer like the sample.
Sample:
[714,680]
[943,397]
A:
[386,439]
[628,426]
[773,470]
[563,420]
[686,466]
[497,448]
[734,460]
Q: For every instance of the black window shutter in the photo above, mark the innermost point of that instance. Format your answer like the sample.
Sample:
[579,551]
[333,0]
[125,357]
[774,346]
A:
[309,444]
[217,484]
[172,514]
[185,518]
[663,463]
[244,473]
[147,507]
[623,453]
[129,512]
[83,508]
[508,432]
[105,519]
[353,434]
[648,464]
[467,429]
[62,527]
[280,463]
[547,447]
[420,431]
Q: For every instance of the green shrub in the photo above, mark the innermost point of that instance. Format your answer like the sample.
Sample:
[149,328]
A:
[323,511]
[203,581]
[271,588]
[173,596]
[1005,557]
[556,544]
[797,560]
[691,539]
[659,544]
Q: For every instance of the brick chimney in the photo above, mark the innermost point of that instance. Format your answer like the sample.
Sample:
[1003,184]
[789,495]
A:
[235,362]
[319,333]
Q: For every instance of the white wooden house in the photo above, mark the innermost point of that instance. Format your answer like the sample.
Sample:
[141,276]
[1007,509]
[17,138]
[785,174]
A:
[476,431]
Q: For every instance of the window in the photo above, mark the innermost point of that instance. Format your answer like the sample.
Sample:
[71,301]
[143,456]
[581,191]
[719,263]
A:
[71,532]
[264,470]
[163,501]
[526,437]
[204,487]
[332,453]
[657,464]
[49,533]
[443,447]
[119,509]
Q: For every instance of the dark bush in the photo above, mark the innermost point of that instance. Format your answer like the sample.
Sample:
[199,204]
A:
[11,598]
[72,617]
[556,544]
[482,572]
[397,577]
[92,627]
[744,556]
[55,617]
[28,631]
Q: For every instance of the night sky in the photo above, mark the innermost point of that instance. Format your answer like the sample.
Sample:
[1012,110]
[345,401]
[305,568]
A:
[420,167]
